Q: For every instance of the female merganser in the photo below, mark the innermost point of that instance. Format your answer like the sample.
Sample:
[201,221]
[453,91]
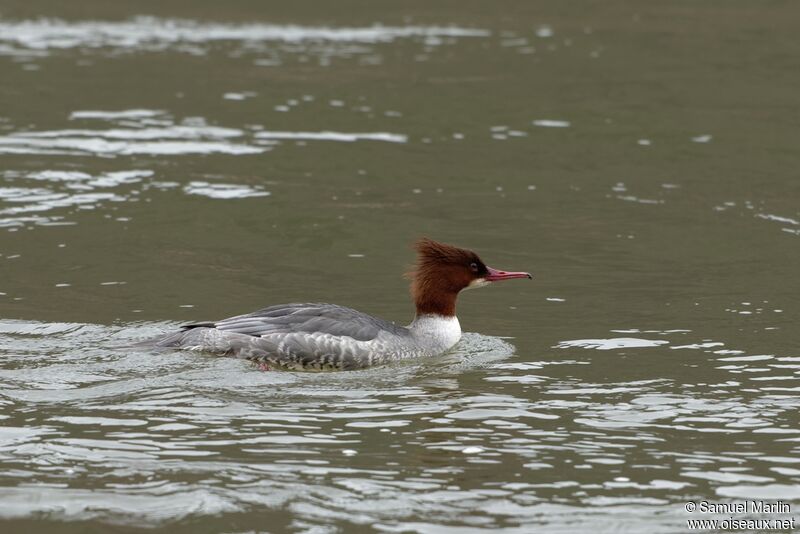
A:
[330,337]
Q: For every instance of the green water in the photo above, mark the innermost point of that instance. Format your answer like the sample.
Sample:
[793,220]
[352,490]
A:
[179,162]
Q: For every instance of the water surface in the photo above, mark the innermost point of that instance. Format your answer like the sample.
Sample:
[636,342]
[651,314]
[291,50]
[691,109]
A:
[174,165]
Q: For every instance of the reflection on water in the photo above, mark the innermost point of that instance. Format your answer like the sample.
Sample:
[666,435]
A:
[224,191]
[36,195]
[219,436]
[147,32]
[334,136]
[164,169]
[270,45]
[50,198]
[138,132]
[147,132]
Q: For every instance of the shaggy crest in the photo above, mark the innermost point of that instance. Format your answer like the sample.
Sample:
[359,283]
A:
[442,271]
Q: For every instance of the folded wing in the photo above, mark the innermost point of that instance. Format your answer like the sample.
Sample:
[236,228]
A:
[310,318]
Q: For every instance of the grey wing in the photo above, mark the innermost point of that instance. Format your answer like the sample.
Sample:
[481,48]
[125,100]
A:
[309,318]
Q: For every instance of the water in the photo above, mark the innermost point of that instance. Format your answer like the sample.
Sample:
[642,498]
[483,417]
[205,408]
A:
[167,166]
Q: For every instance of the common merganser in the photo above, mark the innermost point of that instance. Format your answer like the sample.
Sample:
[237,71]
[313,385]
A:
[329,337]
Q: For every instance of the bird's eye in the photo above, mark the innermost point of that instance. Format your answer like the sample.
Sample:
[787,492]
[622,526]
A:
[474,267]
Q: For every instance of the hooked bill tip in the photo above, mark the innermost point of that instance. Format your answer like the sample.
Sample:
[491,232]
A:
[495,276]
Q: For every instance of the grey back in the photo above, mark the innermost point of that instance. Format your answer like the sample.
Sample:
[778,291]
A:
[310,318]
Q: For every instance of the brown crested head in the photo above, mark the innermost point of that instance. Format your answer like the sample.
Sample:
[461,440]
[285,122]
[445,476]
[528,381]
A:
[443,270]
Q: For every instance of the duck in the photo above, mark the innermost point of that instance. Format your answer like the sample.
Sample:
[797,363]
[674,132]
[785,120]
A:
[329,337]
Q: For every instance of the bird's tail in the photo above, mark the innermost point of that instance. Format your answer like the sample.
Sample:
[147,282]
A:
[172,339]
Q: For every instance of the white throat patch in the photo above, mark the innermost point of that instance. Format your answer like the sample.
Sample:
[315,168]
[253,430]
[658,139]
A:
[478,282]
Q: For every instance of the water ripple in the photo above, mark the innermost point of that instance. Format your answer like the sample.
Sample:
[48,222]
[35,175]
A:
[156,133]
[154,438]
[34,37]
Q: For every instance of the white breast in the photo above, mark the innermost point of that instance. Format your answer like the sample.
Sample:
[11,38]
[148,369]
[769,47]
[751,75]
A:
[435,333]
